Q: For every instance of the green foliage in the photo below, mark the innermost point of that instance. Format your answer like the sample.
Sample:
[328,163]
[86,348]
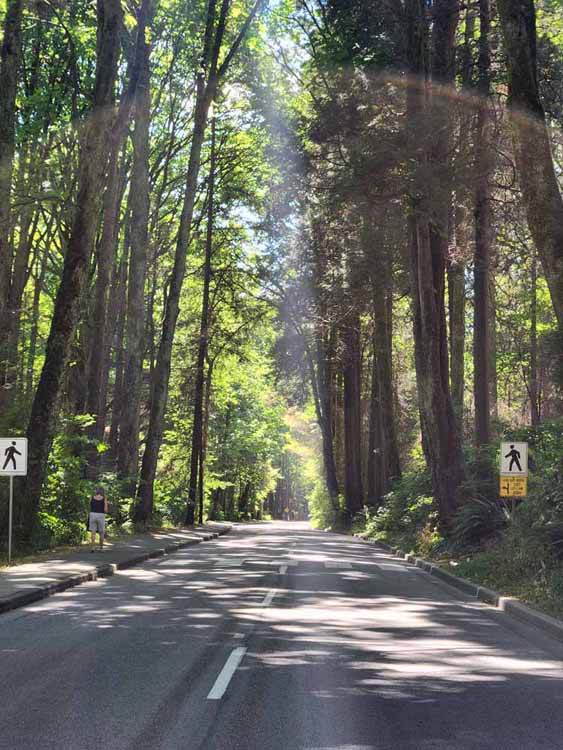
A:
[321,512]
[408,516]
[478,518]
[519,563]
[64,502]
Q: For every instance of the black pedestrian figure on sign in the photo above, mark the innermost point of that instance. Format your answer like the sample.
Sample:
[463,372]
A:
[10,454]
[514,456]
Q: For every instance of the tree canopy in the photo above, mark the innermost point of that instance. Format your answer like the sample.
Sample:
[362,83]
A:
[290,259]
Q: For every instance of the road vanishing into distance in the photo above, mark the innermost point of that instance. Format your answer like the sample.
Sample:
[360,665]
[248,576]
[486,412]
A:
[273,637]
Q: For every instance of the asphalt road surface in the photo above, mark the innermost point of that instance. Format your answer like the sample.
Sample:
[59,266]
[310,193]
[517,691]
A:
[275,637]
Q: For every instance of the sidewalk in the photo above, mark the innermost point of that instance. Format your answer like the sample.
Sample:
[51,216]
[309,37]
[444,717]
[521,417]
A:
[23,584]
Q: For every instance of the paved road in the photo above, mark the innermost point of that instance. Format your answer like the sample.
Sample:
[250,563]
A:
[273,638]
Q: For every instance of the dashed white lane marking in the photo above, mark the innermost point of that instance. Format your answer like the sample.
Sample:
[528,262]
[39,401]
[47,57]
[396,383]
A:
[338,565]
[268,599]
[230,563]
[283,570]
[226,674]
[238,635]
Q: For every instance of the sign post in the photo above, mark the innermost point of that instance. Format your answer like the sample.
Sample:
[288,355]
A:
[13,463]
[513,470]
[10,515]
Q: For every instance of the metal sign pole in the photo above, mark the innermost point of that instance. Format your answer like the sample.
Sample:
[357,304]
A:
[10,520]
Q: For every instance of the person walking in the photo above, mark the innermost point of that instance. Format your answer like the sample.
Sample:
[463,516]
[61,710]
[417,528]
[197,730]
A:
[97,520]
[10,454]
[514,456]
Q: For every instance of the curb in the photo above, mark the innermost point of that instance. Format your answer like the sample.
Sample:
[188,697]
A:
[101,571]
[509,605]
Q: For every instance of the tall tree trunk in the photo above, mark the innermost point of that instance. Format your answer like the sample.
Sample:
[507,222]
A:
[353,489]
[383,335]
[493,380]
[116,324]
[128,451]
[374,470]
[325,357]
[197,424]
[97,351]
[383,453]
[534,381]
[483,237]
[10,59]
[205,431]
[206,91]
[98,365]
[37,289]
[459,236]
[93,160]
[540,189]
[439,427]
[29,172]
[159,395]
[456,303]
[11,334]
[323,376]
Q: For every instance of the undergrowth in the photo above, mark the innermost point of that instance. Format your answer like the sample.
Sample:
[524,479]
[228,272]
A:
[517,552]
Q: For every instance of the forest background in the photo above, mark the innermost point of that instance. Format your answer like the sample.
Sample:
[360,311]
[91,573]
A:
[287,259]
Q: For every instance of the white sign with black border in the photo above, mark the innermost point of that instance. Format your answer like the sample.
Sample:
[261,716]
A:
[13,457]
[514,459]
[13,463]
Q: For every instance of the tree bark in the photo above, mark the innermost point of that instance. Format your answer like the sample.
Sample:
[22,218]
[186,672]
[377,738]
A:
[353,490]
[38,288]
[383,336]
[128,451]
[205,432]
[97,351]
[456,303]
[325,356]
[459,235]
[10,60]
[93,160]
[439,427]
[116,325]
[374,469]
[28,220]
[383,462]
[534,381]
[483,237]
[197,424]
[13,310]
[534,162]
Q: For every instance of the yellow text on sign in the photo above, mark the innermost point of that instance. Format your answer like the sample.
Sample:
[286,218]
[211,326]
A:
[513,486]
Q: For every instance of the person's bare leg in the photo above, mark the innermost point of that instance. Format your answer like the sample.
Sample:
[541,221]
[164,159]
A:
[93,539]
[102,535]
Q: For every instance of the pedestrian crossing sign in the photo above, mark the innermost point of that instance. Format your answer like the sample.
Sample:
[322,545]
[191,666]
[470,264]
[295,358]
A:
[13,457]
[514,459]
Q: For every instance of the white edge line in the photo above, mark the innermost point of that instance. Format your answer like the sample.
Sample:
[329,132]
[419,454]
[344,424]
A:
[226,674]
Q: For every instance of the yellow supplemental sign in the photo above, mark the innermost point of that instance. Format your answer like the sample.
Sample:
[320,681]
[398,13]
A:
[513,486]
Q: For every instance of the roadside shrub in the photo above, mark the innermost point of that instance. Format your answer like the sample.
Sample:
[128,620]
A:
[478,519]
[408,516]
[320,506]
